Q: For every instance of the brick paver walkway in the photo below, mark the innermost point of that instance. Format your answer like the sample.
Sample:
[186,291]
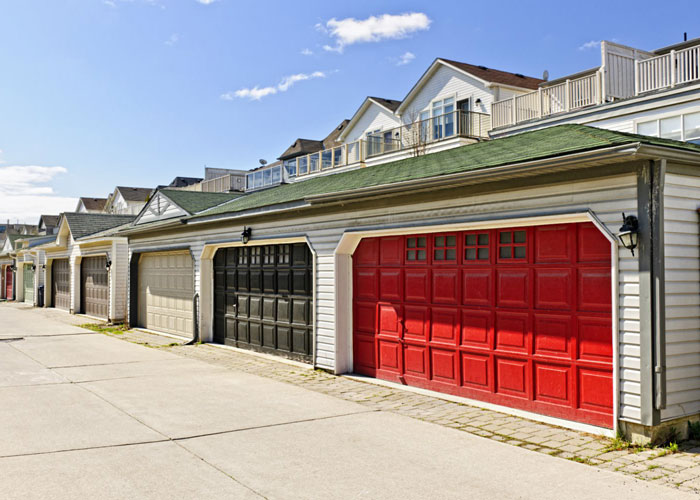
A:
[680,469]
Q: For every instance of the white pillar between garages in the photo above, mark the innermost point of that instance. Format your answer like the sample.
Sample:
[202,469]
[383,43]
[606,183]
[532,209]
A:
[75,284]
[206,296]
[19,281]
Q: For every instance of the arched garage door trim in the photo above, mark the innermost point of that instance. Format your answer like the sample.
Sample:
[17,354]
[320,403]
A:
[207,282]
[344,294]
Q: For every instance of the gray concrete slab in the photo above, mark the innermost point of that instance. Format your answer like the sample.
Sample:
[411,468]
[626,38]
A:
[177,368]
[208,402]
[54,417]
[150,472]
[387,456]
[18,319]
[16,369]
[83,350]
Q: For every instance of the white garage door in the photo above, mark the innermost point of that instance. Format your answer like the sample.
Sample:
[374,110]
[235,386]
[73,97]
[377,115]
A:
[165,292]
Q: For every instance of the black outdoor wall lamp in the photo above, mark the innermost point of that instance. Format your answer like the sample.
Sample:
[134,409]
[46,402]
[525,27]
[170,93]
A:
[13,267]
[33,267]
[246,234]
[108,265]
[629,232]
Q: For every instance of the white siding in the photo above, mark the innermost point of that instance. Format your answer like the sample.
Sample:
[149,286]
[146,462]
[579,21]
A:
[682,268]
[607,198]
[447,82]
[374,118]
[119,254]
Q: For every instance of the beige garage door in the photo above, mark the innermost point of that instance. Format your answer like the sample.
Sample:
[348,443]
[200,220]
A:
[165,292]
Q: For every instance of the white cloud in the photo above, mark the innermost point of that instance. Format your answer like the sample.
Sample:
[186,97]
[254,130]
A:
[350,31]
[25,195]
[590,45]
[172,40]
[206,2]
[256,93]
[405,58]
[307,52]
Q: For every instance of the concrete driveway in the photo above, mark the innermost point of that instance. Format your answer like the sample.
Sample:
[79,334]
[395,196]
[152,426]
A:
[89,416]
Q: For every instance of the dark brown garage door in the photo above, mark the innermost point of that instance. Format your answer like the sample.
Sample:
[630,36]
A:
[263,299]
[60,283]
[94,286]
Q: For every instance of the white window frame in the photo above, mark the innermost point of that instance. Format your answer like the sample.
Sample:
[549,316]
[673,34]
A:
[672,114]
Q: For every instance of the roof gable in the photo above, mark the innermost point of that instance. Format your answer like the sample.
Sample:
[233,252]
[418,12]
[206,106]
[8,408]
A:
[171,203]
[388,105]
[485,75]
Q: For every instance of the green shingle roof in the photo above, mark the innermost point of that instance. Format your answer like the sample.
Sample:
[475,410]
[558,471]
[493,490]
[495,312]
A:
[85,224]
[196,201]
[528,146]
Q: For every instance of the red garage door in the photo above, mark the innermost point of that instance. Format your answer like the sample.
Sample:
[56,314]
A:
[8,283]
[520,317]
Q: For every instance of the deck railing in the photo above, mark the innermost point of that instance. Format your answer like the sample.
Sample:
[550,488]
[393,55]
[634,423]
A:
[674,68]
[339,156]
[566,96]
[419,134]
[626,72]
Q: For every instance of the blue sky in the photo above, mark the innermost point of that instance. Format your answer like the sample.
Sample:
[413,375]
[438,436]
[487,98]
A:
[98,93]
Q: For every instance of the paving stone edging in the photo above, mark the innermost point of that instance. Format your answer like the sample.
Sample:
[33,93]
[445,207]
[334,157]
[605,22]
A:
[680,469]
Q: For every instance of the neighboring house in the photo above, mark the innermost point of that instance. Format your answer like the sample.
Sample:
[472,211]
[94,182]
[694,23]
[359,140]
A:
[127,200]
[48,224]
[653,93]
[85,266]
[29,273]
[491,271]
[91,205]
[7,266]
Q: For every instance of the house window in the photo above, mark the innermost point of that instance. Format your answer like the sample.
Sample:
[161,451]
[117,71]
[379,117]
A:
[684,127]
[374,142]
[443,118]
[691,127]
[291,166]
[670,128]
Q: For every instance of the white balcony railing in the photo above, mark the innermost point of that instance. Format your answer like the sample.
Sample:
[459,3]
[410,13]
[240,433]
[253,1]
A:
[668,70]
[566,96]
[626,72]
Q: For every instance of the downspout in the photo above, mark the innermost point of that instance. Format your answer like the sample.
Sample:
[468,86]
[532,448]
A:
[651,291]
[658,274]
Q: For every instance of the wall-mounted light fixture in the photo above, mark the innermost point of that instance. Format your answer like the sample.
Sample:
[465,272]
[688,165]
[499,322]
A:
[13,267]
[246,234]
[478,101]
[43,266]
[33,267]
[629,232]
[108,265]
